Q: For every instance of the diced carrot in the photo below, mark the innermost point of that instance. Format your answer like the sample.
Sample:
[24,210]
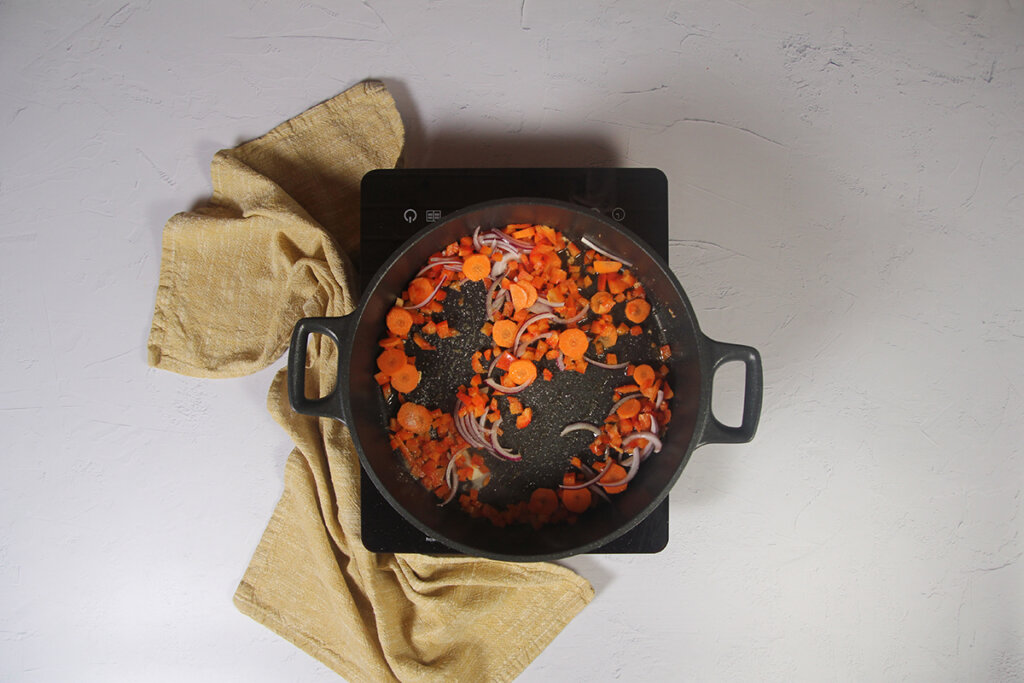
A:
[381,378]
[523,421]
[611,359]
[636,330]
[505,360]
[475,362]
[422,343]
[547,374]
[627,389]
[515,406]
[524,233]
[606,266]
[665,352]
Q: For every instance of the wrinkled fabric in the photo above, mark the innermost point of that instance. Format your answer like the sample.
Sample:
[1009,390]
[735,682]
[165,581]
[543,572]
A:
[275,243]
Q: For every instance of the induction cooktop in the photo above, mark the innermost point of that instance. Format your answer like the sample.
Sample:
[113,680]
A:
[395,204]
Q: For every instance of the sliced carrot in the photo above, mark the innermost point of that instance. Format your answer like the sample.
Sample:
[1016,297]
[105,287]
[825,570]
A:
[522,372]
[518,296]
[405,379]
[543,501]
[476,267]
[531,292]
[523,421]
[399,321]
[602,303]
[606,266]
[576,500]
[390,360]
[637,310]
[628,409]
[644,376]
[573,343]
[414,417]
[419,290]
[504,333]
[612,473]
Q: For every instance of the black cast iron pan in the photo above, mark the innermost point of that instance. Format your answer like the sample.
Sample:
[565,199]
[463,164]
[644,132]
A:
[570,397]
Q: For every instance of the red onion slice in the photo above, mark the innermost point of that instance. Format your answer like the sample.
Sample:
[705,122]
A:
[439,262]
[476,239]
[654,425]
[605,252]
[650,436]
[576,318]
[466,427]
[596,490]
[498,450]
[519,348]
[606,366]
[552,304]
[634,467]
[451,479]
[444,278]
[622,400]
[660,398]
[490,299]
[578,426]
[507,390]
[560,361]
[512,241]
[527,323]
[586,484]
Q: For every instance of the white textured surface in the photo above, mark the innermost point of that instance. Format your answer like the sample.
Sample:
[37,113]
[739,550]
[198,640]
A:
[846,187]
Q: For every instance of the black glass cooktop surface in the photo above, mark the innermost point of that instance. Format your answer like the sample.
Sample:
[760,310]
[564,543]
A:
[395,204]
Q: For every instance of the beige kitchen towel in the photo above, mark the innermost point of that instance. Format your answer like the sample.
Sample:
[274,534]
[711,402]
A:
[276,242]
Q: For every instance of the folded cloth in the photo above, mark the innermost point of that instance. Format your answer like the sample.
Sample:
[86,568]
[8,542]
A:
[276,242]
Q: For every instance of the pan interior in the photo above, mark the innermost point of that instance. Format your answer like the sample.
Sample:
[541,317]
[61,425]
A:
[568,397]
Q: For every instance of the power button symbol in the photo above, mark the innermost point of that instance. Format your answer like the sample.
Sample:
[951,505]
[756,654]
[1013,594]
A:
[409,215]
[618,213]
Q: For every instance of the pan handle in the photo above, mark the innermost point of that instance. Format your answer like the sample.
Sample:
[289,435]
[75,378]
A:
[327,406]
[716,432]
